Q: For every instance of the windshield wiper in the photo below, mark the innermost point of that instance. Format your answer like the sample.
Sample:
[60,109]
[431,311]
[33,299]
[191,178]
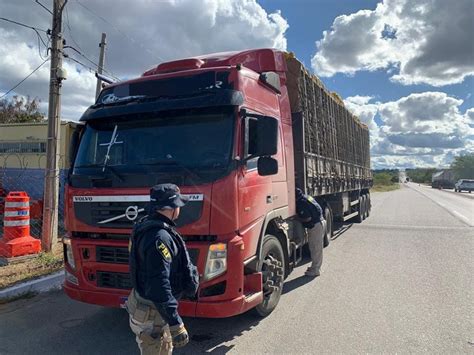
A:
[113,140]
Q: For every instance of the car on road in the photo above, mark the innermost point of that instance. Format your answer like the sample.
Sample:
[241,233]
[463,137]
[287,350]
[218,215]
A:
[464,185]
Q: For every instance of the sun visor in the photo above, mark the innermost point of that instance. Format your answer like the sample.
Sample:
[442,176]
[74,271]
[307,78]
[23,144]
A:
[142,105]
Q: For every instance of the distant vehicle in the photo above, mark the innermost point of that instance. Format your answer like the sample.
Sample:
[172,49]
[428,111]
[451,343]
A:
[464,184]
[407,180]
[443,179]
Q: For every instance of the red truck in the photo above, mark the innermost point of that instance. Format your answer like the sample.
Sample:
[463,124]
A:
[237,132]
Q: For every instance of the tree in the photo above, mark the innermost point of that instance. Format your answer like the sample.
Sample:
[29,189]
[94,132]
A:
[463,166]
[20,110]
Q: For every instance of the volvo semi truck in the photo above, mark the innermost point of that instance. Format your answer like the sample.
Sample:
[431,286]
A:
[237,132]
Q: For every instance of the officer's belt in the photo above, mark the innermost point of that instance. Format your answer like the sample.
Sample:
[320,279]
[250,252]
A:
[142,300]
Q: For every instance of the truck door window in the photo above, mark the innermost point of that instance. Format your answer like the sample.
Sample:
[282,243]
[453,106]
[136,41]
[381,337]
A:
[251,142]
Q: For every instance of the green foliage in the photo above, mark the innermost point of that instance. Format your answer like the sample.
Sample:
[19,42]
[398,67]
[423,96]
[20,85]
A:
[463,167]
[20,110]
[382,179]
[421,175]
[385,177]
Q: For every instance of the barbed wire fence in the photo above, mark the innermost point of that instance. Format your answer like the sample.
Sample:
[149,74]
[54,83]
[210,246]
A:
[26,172]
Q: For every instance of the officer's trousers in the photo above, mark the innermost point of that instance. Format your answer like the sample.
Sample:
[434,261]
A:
[316,245]
[152,333]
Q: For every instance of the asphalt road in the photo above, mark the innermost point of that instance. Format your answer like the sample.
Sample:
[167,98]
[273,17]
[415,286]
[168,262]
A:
[402,281]
[459,204]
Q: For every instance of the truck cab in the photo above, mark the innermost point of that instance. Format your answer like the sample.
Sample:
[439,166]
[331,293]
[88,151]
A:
[219,127]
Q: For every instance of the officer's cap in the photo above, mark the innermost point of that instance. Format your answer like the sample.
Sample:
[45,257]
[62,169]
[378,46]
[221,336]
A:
[166,196]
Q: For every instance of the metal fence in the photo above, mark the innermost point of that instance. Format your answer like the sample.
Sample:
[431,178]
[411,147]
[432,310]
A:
[26,172]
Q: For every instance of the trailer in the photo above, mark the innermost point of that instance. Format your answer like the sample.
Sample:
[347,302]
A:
[443,179]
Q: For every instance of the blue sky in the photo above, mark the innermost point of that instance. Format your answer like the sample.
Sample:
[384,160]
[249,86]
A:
[413,88]
[308,19]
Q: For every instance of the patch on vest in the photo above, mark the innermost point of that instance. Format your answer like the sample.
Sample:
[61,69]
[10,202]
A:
[163,249]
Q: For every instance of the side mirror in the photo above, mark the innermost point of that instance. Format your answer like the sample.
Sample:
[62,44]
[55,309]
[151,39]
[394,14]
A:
[267,136]
[267,166]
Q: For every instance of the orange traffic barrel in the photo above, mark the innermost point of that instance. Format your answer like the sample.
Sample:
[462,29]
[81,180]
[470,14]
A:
[16,227]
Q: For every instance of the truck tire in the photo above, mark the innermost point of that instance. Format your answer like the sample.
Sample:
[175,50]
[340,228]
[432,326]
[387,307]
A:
[364,207]
[358,218]
[272,267]
[329,226]
[369,205]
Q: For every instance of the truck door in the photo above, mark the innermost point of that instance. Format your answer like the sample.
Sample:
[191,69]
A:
[255,191]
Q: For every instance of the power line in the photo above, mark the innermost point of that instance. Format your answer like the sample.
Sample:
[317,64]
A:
[13,88]
[36,29]
[90,61]
[44,7]
[23,25]
[91,70]
[70,29]
[121,32]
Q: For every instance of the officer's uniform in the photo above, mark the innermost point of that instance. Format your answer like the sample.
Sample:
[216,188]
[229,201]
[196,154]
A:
[308,208]
[161,273]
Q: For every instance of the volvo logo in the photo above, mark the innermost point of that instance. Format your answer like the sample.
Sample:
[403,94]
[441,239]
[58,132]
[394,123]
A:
[131,213]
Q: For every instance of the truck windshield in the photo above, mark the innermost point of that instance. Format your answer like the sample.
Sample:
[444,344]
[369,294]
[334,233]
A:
[190,141]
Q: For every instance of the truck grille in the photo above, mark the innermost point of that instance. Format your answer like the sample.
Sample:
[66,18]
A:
[113,214]
[113,280]
[119,255]
[113,255]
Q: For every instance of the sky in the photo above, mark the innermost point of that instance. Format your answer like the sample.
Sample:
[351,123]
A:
[405,67]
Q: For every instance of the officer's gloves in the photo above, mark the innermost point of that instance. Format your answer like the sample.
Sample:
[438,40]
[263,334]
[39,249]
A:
[180,335]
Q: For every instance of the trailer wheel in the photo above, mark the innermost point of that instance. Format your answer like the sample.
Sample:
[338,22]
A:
[272,267]
[364,207]
[369,206]
[359,217]
[329,226]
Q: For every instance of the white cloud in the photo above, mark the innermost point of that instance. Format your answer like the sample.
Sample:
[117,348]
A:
[138,37]
[427,41]
[421,129]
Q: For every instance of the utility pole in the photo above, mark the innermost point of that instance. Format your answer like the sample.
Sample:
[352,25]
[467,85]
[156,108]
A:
[102,45]
[51,183]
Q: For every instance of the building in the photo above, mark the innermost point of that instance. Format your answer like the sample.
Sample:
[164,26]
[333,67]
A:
[23,156]
[23,145]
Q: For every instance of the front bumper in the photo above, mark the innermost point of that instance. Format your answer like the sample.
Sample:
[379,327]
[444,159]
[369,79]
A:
[215,309]
[236,293]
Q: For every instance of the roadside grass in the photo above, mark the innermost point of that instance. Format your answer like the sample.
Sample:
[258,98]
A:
[385,188]
[43,264]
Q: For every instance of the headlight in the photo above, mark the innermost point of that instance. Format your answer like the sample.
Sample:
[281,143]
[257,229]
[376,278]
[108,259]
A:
[68,255]
[216,263]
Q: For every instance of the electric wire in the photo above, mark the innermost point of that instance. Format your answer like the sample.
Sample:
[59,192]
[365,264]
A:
[24,79]
[108,72]
[44,7]
[23,25]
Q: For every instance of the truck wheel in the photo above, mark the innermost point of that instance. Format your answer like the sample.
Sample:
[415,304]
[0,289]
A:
[272,268]
[358,218]
[369,205]
[329,229]
[364,207]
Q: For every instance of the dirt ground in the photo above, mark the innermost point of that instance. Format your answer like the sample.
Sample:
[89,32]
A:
[43,264]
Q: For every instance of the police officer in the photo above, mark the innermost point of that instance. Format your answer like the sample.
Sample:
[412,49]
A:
[311,215]
[161,273]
